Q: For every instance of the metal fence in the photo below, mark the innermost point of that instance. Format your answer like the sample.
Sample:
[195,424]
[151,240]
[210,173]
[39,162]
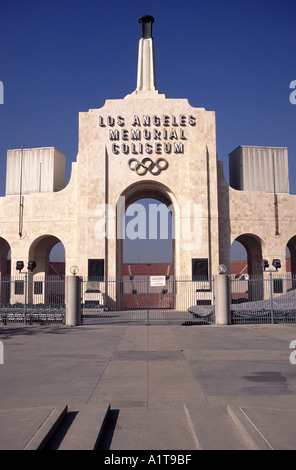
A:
[28,299]
[269,298]
[147,300]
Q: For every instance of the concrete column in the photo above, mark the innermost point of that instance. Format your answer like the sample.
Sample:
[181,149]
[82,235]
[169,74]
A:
[222,299]
[73,308]
[146,71]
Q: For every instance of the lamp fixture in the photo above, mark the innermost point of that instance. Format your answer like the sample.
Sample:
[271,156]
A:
[222,269]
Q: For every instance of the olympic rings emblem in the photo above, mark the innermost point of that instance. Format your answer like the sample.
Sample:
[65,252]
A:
[141,168]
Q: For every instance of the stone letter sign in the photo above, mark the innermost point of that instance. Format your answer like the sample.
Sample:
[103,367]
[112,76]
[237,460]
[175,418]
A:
[147,134]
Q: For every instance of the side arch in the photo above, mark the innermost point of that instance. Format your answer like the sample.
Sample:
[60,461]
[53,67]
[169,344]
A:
[253,245]
[39,251]
[45,287]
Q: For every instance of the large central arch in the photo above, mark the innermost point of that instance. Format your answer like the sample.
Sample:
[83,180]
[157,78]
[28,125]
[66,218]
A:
[132,194]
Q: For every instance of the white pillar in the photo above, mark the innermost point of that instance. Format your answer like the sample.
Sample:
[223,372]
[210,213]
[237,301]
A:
[146,81]
[222,299]
[1,353]
[73,308]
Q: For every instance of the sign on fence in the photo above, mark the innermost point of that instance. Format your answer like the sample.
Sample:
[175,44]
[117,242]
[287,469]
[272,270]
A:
[157,281]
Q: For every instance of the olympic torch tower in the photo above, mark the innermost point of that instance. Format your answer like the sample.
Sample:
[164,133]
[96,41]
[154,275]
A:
[146,81]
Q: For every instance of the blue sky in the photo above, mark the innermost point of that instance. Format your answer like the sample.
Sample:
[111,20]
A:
[60,57]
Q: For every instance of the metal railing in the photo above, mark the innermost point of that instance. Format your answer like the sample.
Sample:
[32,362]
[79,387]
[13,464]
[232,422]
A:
[268,298]
[32,299]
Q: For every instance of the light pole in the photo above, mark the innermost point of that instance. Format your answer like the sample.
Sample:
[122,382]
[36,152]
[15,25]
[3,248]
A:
[31,266]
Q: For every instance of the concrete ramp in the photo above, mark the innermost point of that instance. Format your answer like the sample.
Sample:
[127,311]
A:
[269,428]
[215,428]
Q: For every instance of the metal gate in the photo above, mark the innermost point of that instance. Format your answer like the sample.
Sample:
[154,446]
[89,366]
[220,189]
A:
[147,300]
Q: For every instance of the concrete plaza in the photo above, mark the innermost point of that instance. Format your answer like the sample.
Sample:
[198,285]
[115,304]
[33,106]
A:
[164,387]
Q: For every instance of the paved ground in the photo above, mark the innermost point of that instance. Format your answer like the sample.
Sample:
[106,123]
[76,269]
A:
[168,387]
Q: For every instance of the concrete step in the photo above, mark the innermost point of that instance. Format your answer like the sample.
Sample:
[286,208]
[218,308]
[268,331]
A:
[82,428]
[29,428]
[215,427]
[52,428]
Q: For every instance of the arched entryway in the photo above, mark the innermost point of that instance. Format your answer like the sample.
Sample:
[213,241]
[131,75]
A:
[47,287]
[145,246]
[253,246]
[247,273]
[40,252]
